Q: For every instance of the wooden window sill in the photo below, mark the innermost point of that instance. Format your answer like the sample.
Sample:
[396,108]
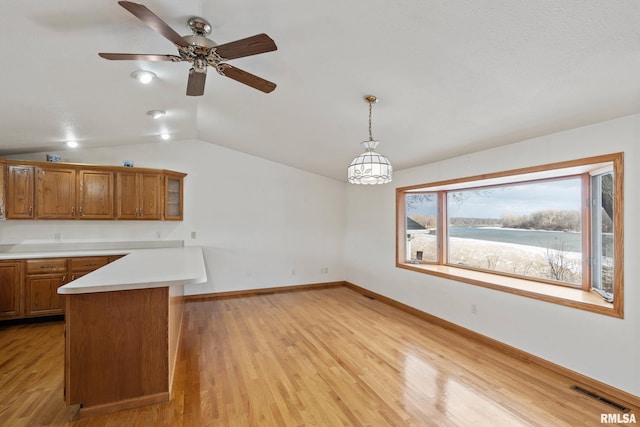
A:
[570,297]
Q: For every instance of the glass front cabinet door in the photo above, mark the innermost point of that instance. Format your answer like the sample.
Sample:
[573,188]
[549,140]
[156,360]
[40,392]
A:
[174,194]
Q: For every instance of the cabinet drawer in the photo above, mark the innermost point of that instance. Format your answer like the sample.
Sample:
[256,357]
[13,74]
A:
[43,266]
[87,264]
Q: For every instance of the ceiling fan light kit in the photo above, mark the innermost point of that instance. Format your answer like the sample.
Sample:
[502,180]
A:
[143,76]
[200,51]
[370,167]
[156,114]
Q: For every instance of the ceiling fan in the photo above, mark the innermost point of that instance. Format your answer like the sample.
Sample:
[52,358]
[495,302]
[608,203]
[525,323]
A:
[201,51]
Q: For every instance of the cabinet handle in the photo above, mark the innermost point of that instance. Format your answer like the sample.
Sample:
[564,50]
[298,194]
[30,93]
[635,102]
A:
[73,210]
[90,265]
[64,278]
[80,210]
[30,210]
[46,266]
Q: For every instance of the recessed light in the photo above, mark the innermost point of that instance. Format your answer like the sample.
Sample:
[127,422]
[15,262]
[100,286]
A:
[165,136]
[143,76]
[156,114]
[72,144]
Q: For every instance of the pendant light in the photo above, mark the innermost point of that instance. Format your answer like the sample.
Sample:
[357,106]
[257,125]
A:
[370,167]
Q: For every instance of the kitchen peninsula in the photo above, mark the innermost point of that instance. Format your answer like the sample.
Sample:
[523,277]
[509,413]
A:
[122,328]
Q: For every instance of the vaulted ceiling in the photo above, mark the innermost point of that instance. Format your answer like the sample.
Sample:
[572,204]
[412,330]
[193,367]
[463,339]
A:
[451,76]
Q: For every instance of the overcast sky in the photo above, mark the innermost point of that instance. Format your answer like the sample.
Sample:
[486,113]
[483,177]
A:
[513,200]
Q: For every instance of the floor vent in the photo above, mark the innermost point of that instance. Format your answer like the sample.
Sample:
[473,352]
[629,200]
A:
[596,396]
[368,296]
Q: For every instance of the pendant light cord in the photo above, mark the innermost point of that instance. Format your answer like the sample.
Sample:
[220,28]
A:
[370,137]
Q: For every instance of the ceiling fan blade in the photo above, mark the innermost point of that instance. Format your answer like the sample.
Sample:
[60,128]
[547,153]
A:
[153,21]
[139,57]
[246,78]
[195,85]
[253,45]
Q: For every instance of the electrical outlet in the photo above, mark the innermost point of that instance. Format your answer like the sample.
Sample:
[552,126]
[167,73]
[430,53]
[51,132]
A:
[193,234]
[57,236]
[293,272]
[474,309]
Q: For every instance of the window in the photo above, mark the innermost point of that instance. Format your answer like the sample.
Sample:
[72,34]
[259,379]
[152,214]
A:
[551,232]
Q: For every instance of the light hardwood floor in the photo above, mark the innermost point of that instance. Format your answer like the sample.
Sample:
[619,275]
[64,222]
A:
[326,357]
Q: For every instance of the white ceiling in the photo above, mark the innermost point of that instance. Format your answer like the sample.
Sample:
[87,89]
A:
[452,76]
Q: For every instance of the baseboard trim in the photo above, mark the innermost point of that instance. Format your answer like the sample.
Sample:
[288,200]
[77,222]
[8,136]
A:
[262,291]
[580,379]
[121,405]
[587,382]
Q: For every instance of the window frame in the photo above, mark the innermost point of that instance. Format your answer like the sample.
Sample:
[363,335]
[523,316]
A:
[581,297]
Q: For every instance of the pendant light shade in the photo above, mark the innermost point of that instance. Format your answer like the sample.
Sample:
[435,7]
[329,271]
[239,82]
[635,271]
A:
[370,167]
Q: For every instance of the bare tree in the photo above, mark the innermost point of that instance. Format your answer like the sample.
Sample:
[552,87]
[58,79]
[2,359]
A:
[492,261]
[561,266]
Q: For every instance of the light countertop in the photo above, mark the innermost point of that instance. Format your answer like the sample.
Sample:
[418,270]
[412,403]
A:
[143,268]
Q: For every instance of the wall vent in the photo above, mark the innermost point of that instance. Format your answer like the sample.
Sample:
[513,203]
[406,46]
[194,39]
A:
[596,396]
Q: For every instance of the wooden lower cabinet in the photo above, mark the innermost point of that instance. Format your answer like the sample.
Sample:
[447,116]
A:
[41,296]
[43,278]
[10,289]
[120,348]
[80,266]
[29,287]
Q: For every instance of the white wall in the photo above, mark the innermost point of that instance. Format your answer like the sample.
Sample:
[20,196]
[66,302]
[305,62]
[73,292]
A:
[258,221]
[261,224]
[601,347]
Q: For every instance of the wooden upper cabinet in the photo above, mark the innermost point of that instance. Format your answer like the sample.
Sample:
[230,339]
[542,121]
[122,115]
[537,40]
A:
[139,195]
[20,192]
[173,197]
[150,196]
[127,197]
[56,193]
[95,194]
[45,190]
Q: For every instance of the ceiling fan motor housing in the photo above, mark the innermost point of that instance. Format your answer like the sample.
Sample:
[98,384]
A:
[199,26]
[200,51]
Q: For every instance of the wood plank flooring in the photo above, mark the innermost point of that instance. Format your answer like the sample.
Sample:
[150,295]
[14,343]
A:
[326,357]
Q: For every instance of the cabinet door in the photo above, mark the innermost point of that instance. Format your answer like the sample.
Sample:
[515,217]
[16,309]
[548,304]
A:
[20,190]
[150,196]
[56,193]
[95,194]
[173,198]
[10,286]
[2,190]
[41,296]
[127,195]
